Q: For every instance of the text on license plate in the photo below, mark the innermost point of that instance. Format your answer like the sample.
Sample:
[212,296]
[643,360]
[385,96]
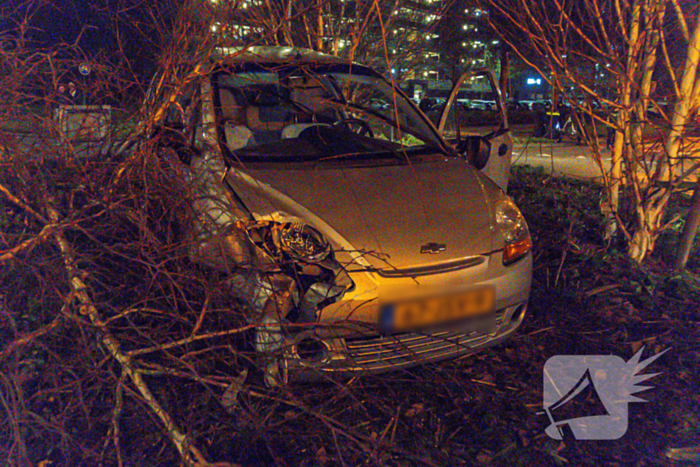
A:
[439,309]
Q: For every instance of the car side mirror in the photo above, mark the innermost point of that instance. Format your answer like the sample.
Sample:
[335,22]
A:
[476,149]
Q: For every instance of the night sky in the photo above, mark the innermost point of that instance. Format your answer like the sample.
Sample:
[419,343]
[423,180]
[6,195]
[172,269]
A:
[58,21]
[92,26]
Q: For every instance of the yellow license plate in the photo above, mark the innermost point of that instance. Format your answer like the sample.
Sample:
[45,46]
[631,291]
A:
[441,309]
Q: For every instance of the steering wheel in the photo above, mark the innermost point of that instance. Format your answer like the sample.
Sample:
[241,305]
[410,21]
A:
[356,125]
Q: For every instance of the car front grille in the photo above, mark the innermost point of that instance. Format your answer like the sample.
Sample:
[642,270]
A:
[437,268]
[405,349]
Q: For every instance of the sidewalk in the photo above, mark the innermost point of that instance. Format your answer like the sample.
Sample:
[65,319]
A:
[562,159]
[571,160]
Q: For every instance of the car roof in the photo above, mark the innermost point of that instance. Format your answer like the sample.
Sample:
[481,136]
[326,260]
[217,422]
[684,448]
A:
[272,54]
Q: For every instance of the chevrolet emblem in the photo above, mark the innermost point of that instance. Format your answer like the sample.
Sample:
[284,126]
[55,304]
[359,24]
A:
[433,248]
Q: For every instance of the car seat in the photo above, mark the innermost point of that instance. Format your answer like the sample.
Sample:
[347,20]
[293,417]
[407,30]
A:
[233,117]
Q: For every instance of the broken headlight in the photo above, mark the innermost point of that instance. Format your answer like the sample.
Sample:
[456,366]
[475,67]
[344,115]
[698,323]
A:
[301,242]
[514,229]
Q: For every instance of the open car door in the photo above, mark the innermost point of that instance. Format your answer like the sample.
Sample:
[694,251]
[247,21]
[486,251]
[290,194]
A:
[474,121]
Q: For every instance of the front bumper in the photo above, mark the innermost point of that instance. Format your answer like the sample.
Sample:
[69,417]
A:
[344,357]
[351,344]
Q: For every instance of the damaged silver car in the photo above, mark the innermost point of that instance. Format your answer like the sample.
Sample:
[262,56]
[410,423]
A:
[361,237]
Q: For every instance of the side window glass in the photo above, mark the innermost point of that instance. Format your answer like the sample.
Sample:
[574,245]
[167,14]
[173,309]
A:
[475,110]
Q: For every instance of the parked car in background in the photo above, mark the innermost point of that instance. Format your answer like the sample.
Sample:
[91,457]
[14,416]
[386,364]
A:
[432,104]
[362,237]
[516,106]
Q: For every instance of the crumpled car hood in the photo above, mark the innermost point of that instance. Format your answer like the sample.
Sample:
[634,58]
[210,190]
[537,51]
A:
[388,211]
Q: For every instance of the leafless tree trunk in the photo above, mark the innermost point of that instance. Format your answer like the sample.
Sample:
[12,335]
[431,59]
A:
[650,215]
[504,79]
[690,229]
[621,40]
